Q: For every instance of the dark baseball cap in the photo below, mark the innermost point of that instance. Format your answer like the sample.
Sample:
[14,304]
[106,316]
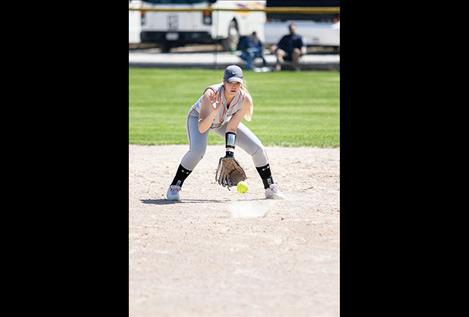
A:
[233,73]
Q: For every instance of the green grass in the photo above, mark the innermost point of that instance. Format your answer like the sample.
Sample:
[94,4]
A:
[290,108]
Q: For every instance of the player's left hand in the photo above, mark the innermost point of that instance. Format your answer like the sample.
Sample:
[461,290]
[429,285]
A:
[229,172]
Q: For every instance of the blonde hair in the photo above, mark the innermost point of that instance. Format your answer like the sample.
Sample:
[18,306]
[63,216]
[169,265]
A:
[248,115]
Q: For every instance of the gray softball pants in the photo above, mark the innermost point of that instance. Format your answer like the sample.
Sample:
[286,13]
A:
[245,139]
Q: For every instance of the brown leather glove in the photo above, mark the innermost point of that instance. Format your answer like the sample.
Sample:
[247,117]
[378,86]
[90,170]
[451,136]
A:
[229,172]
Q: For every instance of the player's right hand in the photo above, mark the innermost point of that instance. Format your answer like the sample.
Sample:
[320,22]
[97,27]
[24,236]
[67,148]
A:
[215,101]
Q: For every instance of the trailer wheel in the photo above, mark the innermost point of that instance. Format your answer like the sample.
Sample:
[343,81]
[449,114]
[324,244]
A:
[165,47]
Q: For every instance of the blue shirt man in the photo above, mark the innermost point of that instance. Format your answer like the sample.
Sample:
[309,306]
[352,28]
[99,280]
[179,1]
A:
[290,48]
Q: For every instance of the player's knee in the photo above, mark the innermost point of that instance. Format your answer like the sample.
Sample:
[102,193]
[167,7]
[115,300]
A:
[197,153]
[258,151]
[260,157]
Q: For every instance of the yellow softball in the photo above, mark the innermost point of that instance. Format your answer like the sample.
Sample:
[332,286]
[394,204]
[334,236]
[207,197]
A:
[242,187]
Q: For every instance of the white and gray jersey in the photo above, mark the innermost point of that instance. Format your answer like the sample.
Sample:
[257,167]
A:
[226,112]
[198,141]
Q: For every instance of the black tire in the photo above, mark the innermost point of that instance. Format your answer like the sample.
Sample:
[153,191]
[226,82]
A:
[231,43]
[166,47]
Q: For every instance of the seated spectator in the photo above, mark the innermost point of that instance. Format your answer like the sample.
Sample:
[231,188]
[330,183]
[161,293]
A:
[252,48]
[336,22]
[290,48]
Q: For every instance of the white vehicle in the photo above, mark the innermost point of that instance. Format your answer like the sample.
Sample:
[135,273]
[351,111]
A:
[316,29]
[135,24]
[314,33]
[171,29]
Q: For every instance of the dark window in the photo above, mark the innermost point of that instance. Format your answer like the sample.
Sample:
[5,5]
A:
[301,3]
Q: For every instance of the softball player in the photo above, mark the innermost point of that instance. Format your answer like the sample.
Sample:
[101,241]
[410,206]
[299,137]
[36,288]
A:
[220,109]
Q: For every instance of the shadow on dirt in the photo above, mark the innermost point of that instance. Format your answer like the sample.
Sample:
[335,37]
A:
[192,201]
[185,201]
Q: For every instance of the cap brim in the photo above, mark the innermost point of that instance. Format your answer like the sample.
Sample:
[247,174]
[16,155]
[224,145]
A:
[235,79]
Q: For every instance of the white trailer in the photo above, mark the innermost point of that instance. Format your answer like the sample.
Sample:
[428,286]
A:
[171,29]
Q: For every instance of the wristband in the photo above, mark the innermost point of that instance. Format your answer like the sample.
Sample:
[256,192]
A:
[230,141]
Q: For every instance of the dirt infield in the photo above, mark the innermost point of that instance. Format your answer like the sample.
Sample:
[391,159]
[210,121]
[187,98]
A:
[221,253]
